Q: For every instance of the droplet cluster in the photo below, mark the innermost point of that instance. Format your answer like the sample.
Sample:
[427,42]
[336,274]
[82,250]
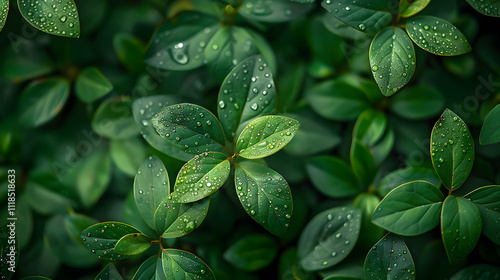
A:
[57,17]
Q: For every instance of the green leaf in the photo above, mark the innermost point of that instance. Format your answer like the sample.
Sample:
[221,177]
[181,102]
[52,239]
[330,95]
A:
[486,7]
[329,238]
[151,186]
[406,175]
[362,162]
[392,59]
[275,10]
[10,258]
[437,36]
[133,244]
[452,150]
[101,239]
[25,62]
[332,176]
[389,259]
[247,92]
[54,17]
[93,177]
[252,252]
[109,273]
[46,201]
[113,119]
[190,129]
[128,154]
[264,195]
[42,101]
[200,177]
[4,11]
[369,232]
[383,147]
[91,85]
[179,264]
[265,136]
[490,131]
[370,127]
[178,219]
[130,51]
[408,8]
[487,201]
[460,227]
[147,269]
[365,15]
[410,209]
[409,102]
[477,272]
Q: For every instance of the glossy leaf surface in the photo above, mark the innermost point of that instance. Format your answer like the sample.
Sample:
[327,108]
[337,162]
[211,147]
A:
[332,176]
[132,244]
[182,265]
[477,272]
[362,162]
[408,8]
[406,175]
[490,131]
[370,127]
[274,10]
[486,7]
[409,102]
[487,201]
[109,273]
[4,11]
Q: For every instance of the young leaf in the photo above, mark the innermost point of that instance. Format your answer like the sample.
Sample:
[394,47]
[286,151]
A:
[93,177]
[4,11]
[200,177]
[132,244]
[247,92]
[486,7]
[175,220]
[151,186]
[408,8]
[487,201]
[113,119]
[42,101]
[362,162]
[370,127]
[54,17]
[147,269]
[276,10]
[329,238]
[264,195]
[460,227]
[190,129]
[91,85]
[437,36]
[452,150]
[409,102]
[392,59]
[410,209]
[332,177]
[10,258]
[477,272]
[365,15]
[179,264]
[109,273]
[406,175]
[265,136]
[252,252]
[101,239]
[389,259]
[490,131]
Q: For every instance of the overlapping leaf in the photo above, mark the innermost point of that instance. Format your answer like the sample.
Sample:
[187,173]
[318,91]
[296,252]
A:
[487,200]
[408,8]
[132,244]
[490,131]
[179,264]
[487,7]
[56,17]
[332,177]
[109,273]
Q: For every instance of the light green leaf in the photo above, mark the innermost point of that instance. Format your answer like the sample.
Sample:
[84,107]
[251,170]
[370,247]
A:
[362,162]
[56,17]
[408,8]
[128,154]
[190,129]
[113,119]
[179,264]
[460,227]
[389,259]
[486,7]
[275,10]
[490,131]
[369,232]
[151,186]
[252,252]
[370,127]
[42,101]
[487,200]
[133,244]
[437,36]
[332,177]
[329,238]
[392,59]
[410,209]
[147,269]
[109,273]
[93,177]
[4,11]
[264,195]
[406,175]
[91,85]
[477,272]
[247,92]
[265,136]
[409,102]
[452,150]
[200,177]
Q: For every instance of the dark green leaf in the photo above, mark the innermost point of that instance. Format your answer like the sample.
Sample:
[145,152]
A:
[332,177]
[128,154]
[252,252]
[4,11]
[490,131]
[452,150]
[190,129]
[151,186]
[389,259]
[392,59]
[147,269]
[46,201]
[42,101]
[409,102]
[53,17]
[200,177]
[362,162]
[10,258]
[25,62]
[264,195]
[275,10]
[486,7]
[329,237]
[93,177]
[179,264]
[91,85]
[410,209]
[247,92]
[383,148]
[132,244]
[460,227]
[130,51]
[487,200]
[369,232]
[265,136]
[113,119]
[477,272]
[437,36]
[101,238]
[406,175]
[109,273]
[370,127]
[339,28]
[408,8]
